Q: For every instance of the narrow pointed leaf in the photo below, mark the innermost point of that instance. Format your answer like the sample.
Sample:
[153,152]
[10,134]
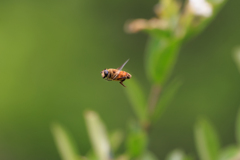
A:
[137,99]
[161,55]
[64,143]
[165,98]
[98,136]
[136,141]
[207,142]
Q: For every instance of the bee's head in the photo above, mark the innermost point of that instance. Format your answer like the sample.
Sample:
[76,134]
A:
[104,73]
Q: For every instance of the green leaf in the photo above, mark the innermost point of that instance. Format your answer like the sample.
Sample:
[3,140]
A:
[158,33]
[137,98]
[167,95]
[136,141]
[91,156]
[238,128]
[236,57]
[116,139]
[148,156]
[229,153]
[178,155]
[123,157]
[65,145]
[206,139]
[161,55]
[98,135]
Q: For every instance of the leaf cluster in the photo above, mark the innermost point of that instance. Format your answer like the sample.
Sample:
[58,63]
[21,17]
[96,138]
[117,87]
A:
[175,23]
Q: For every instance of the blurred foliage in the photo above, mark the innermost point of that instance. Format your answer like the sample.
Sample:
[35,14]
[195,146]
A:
[162,52]
[65,146]
[161,55]
[137,141]
[138,100]
[207,142]
[167,95]
[178,155]
[208,145]
[52,52]
[236,56]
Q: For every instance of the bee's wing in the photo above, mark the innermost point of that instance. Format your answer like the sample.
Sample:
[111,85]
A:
[120,68]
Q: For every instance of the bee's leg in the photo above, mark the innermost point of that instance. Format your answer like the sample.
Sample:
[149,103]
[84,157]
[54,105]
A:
[122,83]
[108,79]
[108,76]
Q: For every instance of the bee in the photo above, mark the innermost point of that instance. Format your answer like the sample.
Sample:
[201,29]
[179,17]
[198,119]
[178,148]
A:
[116,74]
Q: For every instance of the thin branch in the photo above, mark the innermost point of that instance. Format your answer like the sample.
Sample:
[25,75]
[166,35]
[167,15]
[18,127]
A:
[153,97]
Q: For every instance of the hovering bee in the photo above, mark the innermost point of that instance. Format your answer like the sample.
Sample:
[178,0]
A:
[116,74]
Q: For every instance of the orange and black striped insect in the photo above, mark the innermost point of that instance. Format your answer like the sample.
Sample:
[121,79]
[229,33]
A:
[116,74]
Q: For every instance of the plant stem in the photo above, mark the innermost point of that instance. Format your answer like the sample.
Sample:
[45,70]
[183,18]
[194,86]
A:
[153,98]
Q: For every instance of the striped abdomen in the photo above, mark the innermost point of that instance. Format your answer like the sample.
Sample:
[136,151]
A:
[123,75]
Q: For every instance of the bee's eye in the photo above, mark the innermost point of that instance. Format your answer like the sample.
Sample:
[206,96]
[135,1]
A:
[105,72]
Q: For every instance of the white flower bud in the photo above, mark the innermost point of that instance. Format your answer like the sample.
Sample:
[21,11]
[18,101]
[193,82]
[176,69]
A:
[200,7]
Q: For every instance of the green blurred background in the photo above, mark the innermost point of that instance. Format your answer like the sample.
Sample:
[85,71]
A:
[51,56]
